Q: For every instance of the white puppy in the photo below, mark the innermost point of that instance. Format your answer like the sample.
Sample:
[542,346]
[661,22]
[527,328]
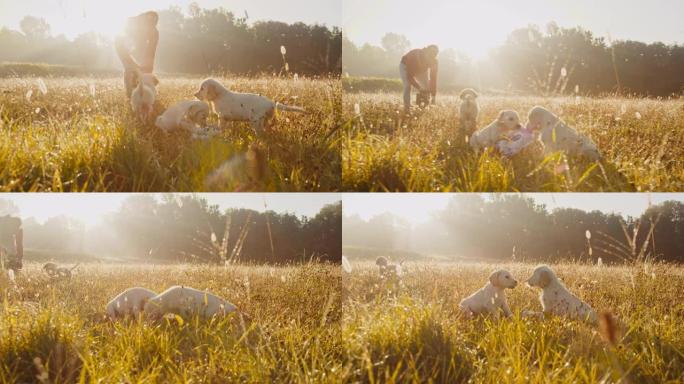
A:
[491,298]
[468,110]
[556,299]
[187,115]
[488,136]
[129,302]
[558,136]
[234,106]
[388,269]
[144,95]
[187,302]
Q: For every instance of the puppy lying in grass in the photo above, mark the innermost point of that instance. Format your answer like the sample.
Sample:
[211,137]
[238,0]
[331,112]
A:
[188,115]
[556,299]
[233,106]
[491,298]
[558,136]
[187,302]
[508,120]
[387,269]
[144,95]
[129,302]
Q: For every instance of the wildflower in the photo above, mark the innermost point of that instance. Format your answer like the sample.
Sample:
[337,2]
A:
[560,168]
[564,72]
[29,94]
[41,86]
[283,51]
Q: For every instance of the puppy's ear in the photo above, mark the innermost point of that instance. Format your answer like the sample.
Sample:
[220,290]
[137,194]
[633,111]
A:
[544,278]
[494,279]
[211,92]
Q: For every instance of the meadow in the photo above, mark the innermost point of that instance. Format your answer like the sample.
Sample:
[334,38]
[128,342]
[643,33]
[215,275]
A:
[78,134]
[641,141]
[56,331]
[412,331]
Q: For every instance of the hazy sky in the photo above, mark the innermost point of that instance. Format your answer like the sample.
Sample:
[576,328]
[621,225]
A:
[419,207]
[72,17]
[474,27]
[89,207]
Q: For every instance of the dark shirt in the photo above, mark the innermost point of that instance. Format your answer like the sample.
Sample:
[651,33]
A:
[417,63]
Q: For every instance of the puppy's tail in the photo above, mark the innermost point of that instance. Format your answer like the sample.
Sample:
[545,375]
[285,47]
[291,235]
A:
[289,108]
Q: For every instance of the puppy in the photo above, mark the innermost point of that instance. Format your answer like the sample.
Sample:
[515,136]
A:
[558,136]
[423,98]
[144,96]
[491,298]
[387,269]
[50,269]
[187,302]
[187,115]
[56,272]
[129,302]
[234,106]
[556,299]
[486,137]
[468,110]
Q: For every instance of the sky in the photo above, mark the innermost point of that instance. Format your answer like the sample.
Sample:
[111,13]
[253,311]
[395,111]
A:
[73,17]
[474,27]
[89,207]
[416,208]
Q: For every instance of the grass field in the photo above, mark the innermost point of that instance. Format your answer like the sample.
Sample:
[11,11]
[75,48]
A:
[292,334]
[641,140]
[413,332]
[78,134]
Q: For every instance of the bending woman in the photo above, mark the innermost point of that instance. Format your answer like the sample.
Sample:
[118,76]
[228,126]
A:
[137,47]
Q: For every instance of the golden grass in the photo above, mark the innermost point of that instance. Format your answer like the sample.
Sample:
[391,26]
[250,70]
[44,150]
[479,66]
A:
[293,334]
[414,332]
[81,136]
[642,141]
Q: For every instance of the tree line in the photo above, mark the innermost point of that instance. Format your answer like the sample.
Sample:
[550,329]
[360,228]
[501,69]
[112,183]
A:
[199,41]
[188,229]
[548,61]
[515,228]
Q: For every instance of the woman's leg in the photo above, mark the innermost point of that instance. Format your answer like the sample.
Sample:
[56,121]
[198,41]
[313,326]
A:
[407,86]
[131,68]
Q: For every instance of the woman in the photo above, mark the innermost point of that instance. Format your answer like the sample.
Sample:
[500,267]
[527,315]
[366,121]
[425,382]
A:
[418,68]
[137,47]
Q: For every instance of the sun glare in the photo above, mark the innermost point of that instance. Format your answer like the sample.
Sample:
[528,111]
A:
[104,18]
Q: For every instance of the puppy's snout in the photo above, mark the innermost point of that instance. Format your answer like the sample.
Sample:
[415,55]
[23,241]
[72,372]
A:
[515,283]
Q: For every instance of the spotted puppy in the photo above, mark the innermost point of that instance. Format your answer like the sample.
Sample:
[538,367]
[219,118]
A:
[556,299]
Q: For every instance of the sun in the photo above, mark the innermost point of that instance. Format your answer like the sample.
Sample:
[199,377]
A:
[102,17]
